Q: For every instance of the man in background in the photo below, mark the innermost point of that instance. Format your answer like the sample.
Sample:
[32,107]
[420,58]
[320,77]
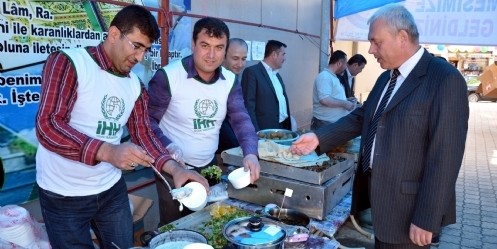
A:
[88,96]
[355,65]
[236,57]
[413,130]
[264,92]
[328,100]
[189,99]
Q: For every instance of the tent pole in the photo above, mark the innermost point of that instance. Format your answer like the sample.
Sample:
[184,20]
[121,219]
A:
[326,27]
[165,20]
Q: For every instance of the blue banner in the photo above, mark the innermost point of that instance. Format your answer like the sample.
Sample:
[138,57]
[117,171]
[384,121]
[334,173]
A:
[349,7]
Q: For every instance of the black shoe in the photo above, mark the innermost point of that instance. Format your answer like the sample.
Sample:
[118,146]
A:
[435,241]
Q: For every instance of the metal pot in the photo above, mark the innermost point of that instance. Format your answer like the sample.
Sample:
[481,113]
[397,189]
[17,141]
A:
[155,240]
[254,233]
[288,216]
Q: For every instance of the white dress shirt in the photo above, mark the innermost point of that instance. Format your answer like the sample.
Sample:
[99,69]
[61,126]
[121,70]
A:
[279,91]
[404,69]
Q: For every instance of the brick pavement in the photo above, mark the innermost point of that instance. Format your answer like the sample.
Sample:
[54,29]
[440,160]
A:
[476,189]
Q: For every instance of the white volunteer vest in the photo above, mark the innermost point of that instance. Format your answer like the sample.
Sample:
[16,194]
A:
[103,106]
[195,114]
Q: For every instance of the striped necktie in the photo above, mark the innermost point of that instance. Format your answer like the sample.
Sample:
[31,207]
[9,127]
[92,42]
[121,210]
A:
[368,145]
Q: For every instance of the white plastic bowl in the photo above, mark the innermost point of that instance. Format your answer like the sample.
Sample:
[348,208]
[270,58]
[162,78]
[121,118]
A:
[198,246]
[239,178]
[197,199]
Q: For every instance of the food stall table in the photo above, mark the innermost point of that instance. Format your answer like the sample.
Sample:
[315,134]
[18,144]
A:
[322,232]
[328,226]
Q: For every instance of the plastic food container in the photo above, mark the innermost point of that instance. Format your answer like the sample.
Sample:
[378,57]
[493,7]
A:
[197,199]
[239,178]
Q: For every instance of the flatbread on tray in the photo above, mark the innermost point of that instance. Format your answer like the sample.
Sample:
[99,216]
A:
[271,151]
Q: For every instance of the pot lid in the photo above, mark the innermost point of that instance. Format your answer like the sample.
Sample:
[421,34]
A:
[254,231]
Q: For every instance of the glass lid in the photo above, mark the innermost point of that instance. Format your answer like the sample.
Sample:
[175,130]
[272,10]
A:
[254,231]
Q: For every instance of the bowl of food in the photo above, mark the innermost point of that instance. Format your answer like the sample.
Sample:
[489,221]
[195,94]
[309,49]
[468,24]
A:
[280,136]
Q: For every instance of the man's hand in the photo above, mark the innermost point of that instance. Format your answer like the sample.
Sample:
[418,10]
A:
[305,144]
[125,156]
[182,175]
[176,153]
[420,236]
[352,104]
[251,162]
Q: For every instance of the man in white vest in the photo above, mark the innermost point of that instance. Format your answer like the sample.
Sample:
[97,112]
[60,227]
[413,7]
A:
[190,98]
[88,96]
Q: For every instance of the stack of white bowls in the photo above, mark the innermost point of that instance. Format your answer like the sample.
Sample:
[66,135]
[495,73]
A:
[18,226]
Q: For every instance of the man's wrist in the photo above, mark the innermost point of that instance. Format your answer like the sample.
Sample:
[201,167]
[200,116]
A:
[171,167]
[103,151]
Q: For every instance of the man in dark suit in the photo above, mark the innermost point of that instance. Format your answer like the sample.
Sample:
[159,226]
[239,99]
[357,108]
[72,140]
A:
[355,65]
[264,92]
[413,128]
[235,59]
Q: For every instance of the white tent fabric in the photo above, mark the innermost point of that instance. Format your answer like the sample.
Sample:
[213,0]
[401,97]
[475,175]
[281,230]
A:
[455,22]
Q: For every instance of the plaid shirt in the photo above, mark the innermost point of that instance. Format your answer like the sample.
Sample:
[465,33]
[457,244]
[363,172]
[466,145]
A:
[59,93]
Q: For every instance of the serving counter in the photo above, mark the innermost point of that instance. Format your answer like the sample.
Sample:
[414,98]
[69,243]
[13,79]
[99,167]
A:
[321,231]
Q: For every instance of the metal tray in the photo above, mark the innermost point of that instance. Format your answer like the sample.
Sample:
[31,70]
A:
[300,174]
[316,201]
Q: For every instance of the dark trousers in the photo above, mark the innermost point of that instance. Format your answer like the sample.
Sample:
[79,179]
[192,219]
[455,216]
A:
[318,123]
[382,245]
[286,124]
[227,138]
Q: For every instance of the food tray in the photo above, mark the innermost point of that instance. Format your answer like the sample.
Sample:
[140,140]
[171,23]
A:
[300,174]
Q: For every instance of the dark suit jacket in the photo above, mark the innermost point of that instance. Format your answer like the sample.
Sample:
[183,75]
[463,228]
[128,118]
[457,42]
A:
[418,152]
[344,80]
[260,98]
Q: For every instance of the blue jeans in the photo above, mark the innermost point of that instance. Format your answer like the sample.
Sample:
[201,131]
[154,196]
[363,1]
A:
[68,218]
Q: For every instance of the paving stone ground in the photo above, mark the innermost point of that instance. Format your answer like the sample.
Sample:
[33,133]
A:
[476,190]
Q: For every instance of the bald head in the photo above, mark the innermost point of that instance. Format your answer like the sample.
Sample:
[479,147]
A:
[236,55]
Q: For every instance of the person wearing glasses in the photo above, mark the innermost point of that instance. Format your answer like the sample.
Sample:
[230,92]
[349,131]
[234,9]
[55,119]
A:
[190,98]
[88,96]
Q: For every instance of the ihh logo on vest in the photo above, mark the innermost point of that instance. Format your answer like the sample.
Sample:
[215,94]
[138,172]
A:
[112,109]
[205,110]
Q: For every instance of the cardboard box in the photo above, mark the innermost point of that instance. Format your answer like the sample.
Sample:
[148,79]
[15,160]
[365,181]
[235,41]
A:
[488,81]
[140,208]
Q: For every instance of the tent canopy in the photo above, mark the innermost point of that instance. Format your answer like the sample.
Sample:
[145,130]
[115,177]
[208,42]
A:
[438,21]
[348,7]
